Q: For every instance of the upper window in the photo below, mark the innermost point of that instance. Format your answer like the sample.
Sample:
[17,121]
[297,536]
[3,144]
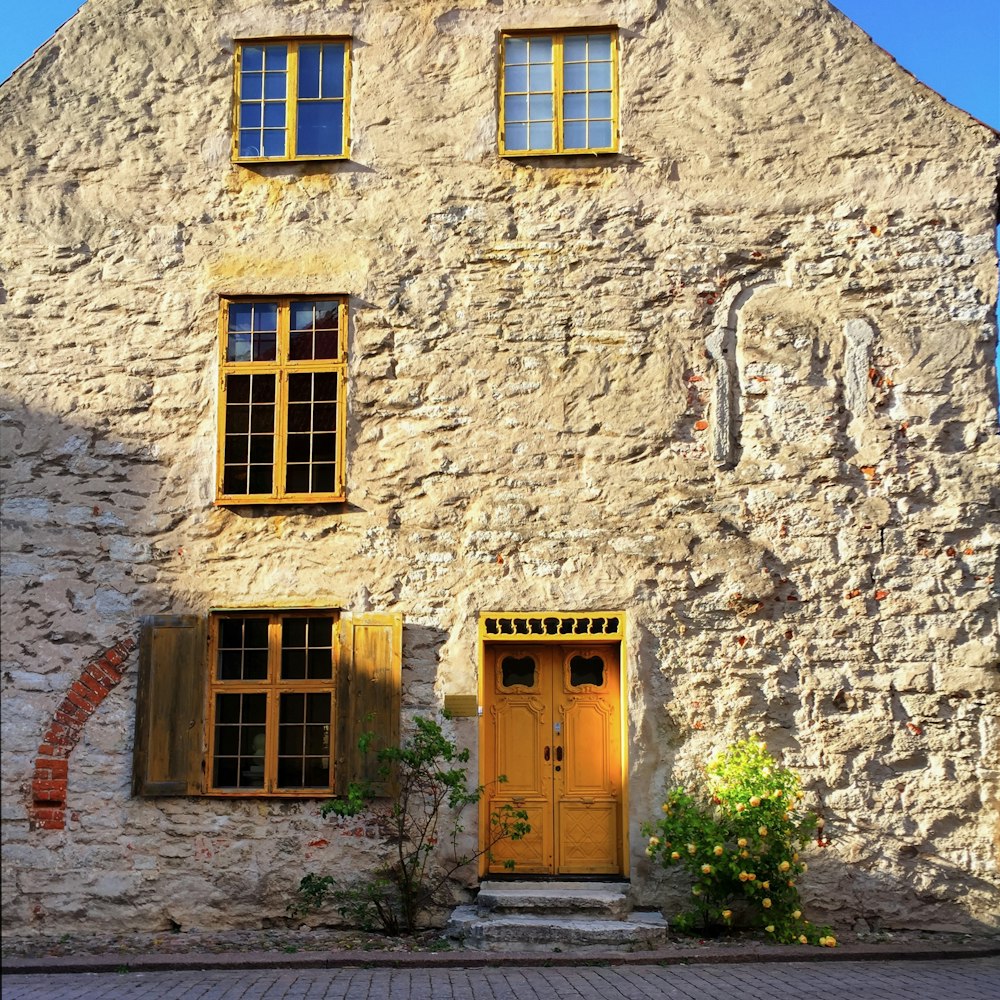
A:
[292,99]
[282,400]
[558,92]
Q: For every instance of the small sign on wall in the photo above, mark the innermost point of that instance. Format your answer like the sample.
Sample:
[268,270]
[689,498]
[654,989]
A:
[461,706]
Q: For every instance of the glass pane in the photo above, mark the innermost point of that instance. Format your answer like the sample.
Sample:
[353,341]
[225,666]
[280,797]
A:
[293,708]
[234,480]
[301,315]
[274,86]
[240,740]
[515,109]
[600,105]
[318,714]
[320,129]
[227,740]
[274,142]
[240,316]
[540,49]
[250,143]
[515,50]
[262,390]
[274,115]
[293,633]
[540,78]
[518,670]
[308,71]
[298,448]
[265,347]
[515,79]
[324,447]
[251,86]
[327,315]
[253,58]
[575,106]
[297,479]
[325,386]
[250,116]
[599,47]
[540,136]
[265,316]
[290,772]
[226,772]
[324,478]
[261,448]
[254,709]
[575,135]
[327,344]
[291,739]
[575,76]
[540,108]
[317,772]
[586,670]
[575,48]
[600,76]
[260,479]
[320,664]
[227,709]
[276,57]
[333,70]
[600,135]
[238,347]
[516,136]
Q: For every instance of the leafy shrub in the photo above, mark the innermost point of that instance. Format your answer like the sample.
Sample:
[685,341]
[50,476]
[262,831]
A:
[429,772]
[739,835]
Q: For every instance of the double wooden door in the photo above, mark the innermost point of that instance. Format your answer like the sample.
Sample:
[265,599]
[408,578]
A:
[552,728]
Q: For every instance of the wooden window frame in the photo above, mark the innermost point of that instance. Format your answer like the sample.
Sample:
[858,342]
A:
[291,97]
[282,367]
[272,687]
[558,38]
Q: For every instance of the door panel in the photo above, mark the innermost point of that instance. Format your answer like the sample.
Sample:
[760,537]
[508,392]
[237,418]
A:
[552,728]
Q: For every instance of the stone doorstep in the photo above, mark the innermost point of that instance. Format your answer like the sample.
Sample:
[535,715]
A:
[572,898]
[522,932]
[549,915]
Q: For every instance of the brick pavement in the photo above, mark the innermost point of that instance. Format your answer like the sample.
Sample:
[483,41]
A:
[955,979]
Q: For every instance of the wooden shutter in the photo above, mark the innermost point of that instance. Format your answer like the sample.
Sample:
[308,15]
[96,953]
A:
[170,706]
[371,656]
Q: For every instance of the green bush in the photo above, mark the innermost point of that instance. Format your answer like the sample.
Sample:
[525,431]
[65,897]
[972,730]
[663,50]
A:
[739,835]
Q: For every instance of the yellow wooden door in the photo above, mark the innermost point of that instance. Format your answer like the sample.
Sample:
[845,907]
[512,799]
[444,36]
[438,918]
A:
[552,729]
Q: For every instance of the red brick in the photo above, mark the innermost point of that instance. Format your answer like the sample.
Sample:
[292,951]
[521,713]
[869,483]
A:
[49,750]
[96,691]
[59,768]
[110,668]
[79,698]
[102,675]
[71,722]
[113,656]
[49,812]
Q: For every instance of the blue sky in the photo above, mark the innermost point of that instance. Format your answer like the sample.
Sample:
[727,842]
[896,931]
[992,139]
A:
[952,45]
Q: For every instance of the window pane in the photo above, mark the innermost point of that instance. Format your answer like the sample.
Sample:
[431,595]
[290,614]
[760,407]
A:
[599,47]
[600,135]
[265,316]
[250,143]
[540,49]
[304,749]
[575,106]
[250,116]
[600,105]
[515,79]
[586,670]
[274,142]
[297,479]
[575,48]
[251,86]
[540,78]
[238,348]
[324,478]
[261,479]
[265,347]
[276,57]
[515,50]
[575,135]
[540,108]
[240,316]
[274,115]
[320,129]
[253,57]
[515,109]
[516,670]
[240,740]
[575,76]
[540,136]
[274,86]
[515,136]
[308,71]
[332,84]
[600,76]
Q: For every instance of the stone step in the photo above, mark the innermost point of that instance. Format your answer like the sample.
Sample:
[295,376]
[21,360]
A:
[596,899]
[540,933]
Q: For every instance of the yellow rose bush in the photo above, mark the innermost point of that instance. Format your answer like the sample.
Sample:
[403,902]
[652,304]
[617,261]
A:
[740,831]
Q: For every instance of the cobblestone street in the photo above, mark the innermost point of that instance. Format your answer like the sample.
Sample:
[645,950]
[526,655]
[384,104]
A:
[965,979]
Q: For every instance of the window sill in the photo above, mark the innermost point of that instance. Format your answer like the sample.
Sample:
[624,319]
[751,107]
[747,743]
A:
[256,161]
[262,501]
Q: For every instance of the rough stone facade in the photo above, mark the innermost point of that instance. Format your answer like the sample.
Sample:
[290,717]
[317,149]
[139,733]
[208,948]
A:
[736,380]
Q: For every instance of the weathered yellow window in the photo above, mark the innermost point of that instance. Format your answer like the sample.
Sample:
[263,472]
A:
[271,702]
[559,92]
[282,400]
[292,99]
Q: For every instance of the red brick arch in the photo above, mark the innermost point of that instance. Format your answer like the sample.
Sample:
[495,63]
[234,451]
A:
[47,810]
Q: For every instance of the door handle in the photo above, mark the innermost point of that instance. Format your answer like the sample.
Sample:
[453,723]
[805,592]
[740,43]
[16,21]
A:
[559,753]
[548,756]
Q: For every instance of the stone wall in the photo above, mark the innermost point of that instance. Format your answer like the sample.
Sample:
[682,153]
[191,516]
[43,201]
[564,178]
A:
[736,380]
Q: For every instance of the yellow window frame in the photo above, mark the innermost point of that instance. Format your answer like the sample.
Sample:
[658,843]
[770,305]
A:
[291,97]
[273,687]
[282,367]
[558,40]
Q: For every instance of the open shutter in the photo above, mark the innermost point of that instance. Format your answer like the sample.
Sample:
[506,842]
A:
[371,656]
[170,706]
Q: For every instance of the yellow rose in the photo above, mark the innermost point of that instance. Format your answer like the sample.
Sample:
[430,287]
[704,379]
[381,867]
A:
[763,746]
[740,807]
[665,807]
[831,941]
[717,850]
[784,866]
[752,877]
[649,852]
[742,842]
[769,928]
[653,841]
[744,854]
[766,885]
[796,914]
[692,848]
[706,869]
[726,914]
[791,882]
[754,800]
[674,856]
[762,830]
[803,939]
[766,903]
[795,856]
[778,793]
[743,876]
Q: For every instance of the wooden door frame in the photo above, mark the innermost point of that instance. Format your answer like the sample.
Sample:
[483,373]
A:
[558,627]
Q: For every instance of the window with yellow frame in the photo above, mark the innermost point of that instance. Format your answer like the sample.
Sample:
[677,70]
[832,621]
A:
[292,99]
[282,393]
[559,92]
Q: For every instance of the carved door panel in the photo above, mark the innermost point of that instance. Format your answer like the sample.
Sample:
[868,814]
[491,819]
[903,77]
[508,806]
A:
[553,731]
